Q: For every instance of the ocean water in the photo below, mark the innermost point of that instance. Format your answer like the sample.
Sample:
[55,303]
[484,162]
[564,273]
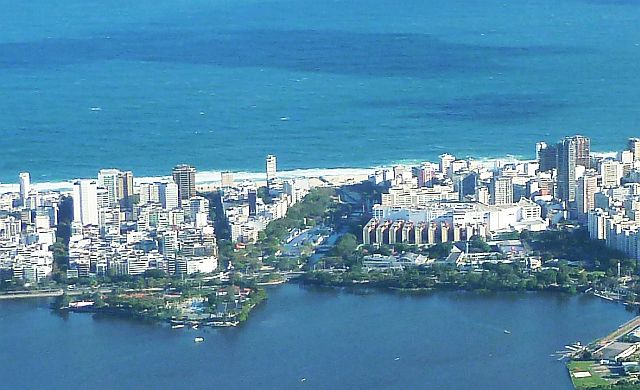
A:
[218,83]
[333,339]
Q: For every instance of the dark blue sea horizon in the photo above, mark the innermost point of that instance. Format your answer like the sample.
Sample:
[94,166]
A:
[219,84]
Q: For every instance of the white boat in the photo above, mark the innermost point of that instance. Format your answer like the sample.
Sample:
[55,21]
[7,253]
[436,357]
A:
[198,339]
[506,332]
[178,326]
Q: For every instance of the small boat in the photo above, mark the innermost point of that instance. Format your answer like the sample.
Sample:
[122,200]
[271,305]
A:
[178,326]
[96,109]
[506,332]
[194,326]
[396,359]
[198,339]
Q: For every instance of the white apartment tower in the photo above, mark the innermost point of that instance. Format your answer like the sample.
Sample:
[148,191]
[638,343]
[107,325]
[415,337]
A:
[445,162]
[272,171]
[502,191]
[168,194]
[625,158]
[198,211]
[585,196]
[226,179]
[634,147]
[25,186]
[611,172]
[482,195]
[149,193]
[108,179]
[85,202]
[119,186]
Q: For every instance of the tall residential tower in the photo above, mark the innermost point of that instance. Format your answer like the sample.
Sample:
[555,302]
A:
[271,166]
[572,151]
[185,177]
[85,202]
[546,156]
[502,191]
[25,186]
[634,147]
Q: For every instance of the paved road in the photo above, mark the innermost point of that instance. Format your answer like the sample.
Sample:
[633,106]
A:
[31,294]
[621,331]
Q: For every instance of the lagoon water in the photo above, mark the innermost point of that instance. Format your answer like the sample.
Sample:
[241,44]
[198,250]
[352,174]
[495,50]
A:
[332,338]
[143,85]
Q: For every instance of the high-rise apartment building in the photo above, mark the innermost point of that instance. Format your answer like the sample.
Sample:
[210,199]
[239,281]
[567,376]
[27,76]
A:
[25,186]
[252,197]
[634,147]
[168,194]
[125,189]
[226,179]
[482,195]
[272,169]
[425,175]
[547,156]
[585,195]
[85,202]
[572,151]
[119,186]
[611,172]
[445,163]
[583,150]
[566,164]
[185,177]
[149,193]
[626,159]
[108,179]
[198,205]
[502,191]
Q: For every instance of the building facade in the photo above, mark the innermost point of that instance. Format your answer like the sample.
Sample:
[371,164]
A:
[185,177]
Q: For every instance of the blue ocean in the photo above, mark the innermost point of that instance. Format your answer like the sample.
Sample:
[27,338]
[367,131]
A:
[143,85]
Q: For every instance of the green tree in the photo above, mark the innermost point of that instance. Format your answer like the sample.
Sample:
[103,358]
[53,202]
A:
[346,245]
[478,245]
[61,301]
[98,300]
[440,250]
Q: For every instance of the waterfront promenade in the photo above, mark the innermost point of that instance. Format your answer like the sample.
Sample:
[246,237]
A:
[621,331]
[53,292]
[46,293]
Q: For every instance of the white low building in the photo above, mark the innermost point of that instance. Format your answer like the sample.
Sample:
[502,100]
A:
[380,262]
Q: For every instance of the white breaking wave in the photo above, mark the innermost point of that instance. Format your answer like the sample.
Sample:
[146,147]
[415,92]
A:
[206,177]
